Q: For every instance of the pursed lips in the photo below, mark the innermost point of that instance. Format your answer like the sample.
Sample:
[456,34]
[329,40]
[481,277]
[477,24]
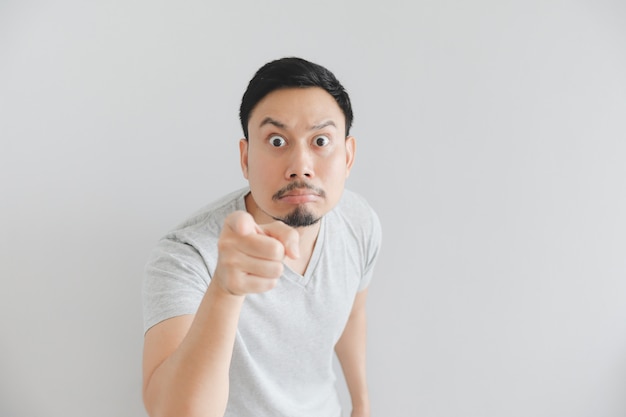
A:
[299,196]
[300,190]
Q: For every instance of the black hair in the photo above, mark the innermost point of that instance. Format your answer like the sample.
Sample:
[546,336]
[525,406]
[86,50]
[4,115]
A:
[292,72]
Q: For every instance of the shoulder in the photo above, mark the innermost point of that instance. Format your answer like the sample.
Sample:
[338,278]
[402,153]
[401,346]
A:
[355,207]
[200,231]
[354,227]
[357,215]
[192,245]
[210,218]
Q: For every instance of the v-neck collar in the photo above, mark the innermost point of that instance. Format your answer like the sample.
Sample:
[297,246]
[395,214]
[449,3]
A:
[304,280]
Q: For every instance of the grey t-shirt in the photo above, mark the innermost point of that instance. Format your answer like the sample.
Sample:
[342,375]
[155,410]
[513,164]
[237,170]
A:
[282,357]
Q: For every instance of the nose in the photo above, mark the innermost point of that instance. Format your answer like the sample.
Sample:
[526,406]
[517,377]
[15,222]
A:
[300,164]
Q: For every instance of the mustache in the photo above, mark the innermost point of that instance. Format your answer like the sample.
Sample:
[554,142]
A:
[298,185]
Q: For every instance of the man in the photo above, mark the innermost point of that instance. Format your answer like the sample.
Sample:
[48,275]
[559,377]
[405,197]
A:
[245,302]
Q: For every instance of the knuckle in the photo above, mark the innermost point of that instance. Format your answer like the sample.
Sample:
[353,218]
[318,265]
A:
[276,270]
[275,250]
[271,283]
[266,285]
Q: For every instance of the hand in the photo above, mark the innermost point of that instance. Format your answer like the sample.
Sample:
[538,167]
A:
[250,256]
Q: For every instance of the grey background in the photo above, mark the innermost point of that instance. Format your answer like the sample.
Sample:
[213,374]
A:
[491,142]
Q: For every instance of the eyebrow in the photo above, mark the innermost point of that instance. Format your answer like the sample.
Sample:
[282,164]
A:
[270,121]
[280,125]
[323,125]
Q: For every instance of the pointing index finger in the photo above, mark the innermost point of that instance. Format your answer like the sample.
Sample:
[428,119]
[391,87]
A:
[242,223]
[286,235]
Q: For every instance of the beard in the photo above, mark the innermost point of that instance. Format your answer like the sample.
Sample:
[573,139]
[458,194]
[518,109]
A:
[300,217]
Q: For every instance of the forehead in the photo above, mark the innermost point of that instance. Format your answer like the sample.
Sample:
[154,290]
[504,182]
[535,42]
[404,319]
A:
[295,107]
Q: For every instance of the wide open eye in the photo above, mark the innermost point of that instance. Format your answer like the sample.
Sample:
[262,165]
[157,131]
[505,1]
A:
[277,141]
[322,141]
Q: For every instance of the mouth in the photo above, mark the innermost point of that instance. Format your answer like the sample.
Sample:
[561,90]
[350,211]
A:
[299,192]
[299,198]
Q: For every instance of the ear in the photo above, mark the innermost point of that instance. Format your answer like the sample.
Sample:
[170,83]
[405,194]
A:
[350,152]
[243,156]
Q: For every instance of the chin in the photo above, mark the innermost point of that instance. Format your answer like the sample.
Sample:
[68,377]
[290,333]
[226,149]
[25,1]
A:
[300,217]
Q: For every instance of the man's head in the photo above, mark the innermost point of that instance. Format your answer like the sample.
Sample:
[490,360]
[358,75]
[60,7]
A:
[296,153]
[292,73]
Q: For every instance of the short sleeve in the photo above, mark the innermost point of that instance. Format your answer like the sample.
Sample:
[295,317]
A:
[372,249]
[175,280]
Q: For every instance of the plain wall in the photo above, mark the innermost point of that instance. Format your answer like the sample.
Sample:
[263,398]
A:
[491,141]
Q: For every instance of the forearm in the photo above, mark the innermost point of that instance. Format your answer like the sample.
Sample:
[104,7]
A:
[351,352]
[193,380]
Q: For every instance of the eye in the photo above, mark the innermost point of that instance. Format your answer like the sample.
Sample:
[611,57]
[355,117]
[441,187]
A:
[277,141]
[322,141]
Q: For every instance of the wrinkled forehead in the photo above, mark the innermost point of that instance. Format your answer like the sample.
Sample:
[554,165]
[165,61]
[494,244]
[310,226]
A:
[310,108]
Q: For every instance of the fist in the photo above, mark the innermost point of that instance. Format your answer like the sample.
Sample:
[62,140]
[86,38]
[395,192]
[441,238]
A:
[250,256]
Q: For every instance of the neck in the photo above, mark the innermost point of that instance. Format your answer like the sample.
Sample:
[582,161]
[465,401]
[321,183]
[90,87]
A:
[308,237]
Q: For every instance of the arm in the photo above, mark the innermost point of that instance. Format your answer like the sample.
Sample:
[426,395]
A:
[350,351]
[187,358]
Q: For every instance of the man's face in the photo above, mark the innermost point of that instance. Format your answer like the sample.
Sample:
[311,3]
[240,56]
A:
[296,158]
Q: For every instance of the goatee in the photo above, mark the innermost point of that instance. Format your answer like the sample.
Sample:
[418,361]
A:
[300,217]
